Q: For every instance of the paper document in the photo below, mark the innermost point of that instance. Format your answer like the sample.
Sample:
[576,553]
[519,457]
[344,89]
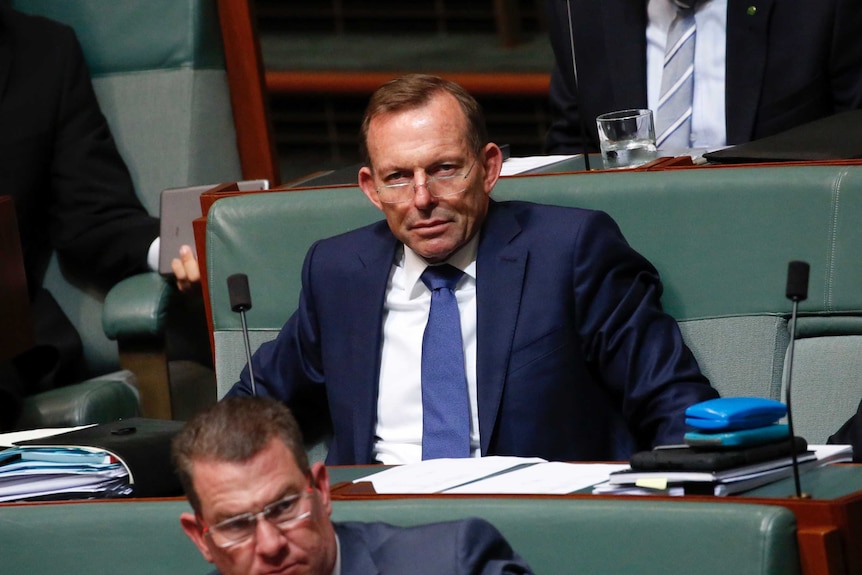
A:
[491,475]
[514,166]
[9,439]
[553,478]
[438,475]
[28,473]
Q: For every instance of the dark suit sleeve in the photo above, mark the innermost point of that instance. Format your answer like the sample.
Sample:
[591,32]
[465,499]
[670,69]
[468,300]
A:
[290,368]
[482,549]
[637,348]
[463,547]
[97,223]
[851,434]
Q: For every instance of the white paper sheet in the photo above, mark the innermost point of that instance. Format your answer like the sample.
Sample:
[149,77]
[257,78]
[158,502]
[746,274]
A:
[553,478]
[437,475]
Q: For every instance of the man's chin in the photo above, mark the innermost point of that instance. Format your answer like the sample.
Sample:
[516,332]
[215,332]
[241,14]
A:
[434,251]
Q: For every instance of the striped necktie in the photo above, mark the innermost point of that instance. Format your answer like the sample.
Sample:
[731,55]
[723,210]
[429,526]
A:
[673,121]
[445,402]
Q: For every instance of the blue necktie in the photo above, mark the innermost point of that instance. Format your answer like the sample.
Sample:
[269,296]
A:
[673,120]
[445,404]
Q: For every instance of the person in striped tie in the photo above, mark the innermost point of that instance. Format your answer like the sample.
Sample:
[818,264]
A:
[755,68]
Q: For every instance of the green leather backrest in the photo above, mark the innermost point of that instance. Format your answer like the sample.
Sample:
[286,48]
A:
[640,537]
[720,238]
[158,71]
[555,536]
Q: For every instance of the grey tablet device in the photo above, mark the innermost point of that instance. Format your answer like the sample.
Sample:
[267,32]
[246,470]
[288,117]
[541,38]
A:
[178,208]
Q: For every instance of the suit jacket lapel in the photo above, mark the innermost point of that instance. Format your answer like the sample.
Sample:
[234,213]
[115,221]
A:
[747,39]
[368,289]
[500,280]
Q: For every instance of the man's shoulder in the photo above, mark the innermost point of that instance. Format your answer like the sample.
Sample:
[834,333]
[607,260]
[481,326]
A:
[36,29]
[357,239]
[533,216]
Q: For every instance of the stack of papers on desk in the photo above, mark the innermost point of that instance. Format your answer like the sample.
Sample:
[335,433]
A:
[120,458]
[725,482]
[490,475]
[37,474]
[535,476]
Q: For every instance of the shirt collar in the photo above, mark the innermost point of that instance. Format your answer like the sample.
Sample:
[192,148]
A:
[336,570]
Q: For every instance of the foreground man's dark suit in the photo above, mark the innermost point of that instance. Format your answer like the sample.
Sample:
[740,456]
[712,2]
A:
[466,547]
[791,62]
[72,191]
[575,361]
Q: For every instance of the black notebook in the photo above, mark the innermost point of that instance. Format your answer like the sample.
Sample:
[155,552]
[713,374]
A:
[687,458]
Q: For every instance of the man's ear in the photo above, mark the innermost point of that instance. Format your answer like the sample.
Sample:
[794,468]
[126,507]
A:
[369,188]
[320,479]
[492,159]
[194,531]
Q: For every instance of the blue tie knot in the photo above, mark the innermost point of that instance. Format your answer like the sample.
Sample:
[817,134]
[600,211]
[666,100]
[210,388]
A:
[442,276]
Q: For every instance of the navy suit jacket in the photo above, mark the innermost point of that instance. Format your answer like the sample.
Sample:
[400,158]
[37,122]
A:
[575,361]
[791,62]
[469,546]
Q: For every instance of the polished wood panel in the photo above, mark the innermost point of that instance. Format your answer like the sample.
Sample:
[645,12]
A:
[249,99]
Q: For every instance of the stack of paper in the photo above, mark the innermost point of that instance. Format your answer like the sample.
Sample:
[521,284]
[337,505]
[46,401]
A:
[40,473]
[489,475]
[725,482]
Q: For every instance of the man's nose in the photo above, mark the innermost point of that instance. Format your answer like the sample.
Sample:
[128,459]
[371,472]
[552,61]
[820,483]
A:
[269,539]
[422,194]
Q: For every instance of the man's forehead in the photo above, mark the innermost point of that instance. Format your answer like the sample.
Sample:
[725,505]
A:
[228,488]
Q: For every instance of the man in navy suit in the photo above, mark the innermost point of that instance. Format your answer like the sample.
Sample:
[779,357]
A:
[567,352]
[259,508]
[766,66]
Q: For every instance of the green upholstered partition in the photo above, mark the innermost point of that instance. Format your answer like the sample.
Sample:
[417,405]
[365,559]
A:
[158,71]
[720,238]
[555,536]
[634,536]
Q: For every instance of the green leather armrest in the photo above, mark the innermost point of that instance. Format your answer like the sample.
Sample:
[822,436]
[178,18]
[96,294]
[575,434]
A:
[99,400]
[137,307]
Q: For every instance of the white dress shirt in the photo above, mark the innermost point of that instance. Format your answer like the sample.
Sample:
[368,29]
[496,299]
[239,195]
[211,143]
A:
[398,434]
[708,110]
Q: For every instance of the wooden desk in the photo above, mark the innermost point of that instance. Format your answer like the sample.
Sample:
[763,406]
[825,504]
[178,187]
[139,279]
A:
[829,525]
[16,329]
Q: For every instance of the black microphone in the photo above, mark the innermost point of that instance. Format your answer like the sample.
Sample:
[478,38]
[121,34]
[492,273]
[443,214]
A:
[584,134]
[797,291]
[240,302]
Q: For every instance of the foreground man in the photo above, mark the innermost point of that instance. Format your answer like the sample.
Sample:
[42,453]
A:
[259,508]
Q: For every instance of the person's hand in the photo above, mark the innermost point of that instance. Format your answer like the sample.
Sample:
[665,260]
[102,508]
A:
[186,270]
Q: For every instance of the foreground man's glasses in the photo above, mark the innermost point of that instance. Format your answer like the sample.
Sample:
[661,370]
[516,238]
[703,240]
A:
[284,514]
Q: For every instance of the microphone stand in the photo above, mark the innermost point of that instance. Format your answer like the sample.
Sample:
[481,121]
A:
[240,302]
[797,290]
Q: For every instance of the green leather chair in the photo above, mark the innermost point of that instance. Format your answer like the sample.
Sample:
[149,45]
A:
[556,536]
[158,68]
[720,238]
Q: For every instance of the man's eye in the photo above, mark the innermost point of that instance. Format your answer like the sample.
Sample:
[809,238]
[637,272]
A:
[444,170]
[282,509]
[397,178]
[238,525]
